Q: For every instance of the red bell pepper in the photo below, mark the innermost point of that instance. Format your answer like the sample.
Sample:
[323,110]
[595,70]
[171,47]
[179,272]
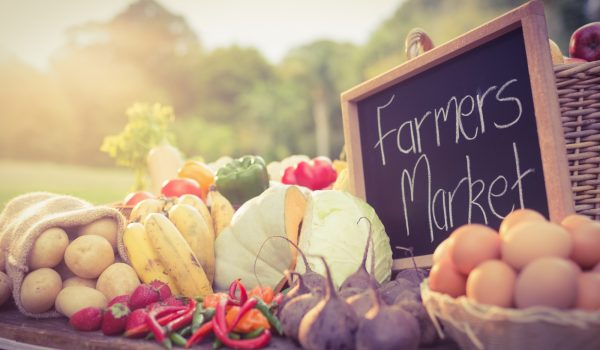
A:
[316,174]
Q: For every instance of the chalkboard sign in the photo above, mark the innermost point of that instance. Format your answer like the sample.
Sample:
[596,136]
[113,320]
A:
[465,133]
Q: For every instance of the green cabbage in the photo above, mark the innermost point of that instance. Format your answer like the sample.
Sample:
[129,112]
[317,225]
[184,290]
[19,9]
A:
[330,229]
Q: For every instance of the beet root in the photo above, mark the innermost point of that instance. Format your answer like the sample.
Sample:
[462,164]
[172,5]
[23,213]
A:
[331,324]
[293,312]
[361,279]
[361,303]
[388,327]
[392,289]
[429,335]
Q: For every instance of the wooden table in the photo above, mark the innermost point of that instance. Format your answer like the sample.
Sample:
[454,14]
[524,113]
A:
[18,332]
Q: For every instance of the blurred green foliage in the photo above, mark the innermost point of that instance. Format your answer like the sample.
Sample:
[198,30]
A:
[229,101]
[147,127]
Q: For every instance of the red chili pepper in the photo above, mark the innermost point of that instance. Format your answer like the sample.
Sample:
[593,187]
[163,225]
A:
[166,310]
[184,319]
[278,298]
[156,328]
[235,285]
[200,333]
[221,332]
[316,174]
[143,328]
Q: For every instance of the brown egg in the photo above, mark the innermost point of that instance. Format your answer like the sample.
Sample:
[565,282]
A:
[548,281]
[473,244]
[530,241]
[492,282]
[441,251]
[444,278]
[588,291]
[517,217]
[585,235]
[574,220]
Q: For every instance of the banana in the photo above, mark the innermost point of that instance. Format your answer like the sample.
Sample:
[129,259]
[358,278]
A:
[141,210]
[197,234]
[143,258]
[221,210]
[198,203]
[176,256]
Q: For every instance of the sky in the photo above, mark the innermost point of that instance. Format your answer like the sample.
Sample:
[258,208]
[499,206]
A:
[34,29]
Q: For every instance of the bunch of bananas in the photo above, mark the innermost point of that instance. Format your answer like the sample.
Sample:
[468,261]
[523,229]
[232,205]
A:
[172,240]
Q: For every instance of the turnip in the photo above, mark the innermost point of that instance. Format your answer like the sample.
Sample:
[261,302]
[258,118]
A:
[292,312]
[387,327]
[415,274]
[361,302]
[390,291]
[298,289]
[313,280]
[429,334]
[360,280]
[331,324]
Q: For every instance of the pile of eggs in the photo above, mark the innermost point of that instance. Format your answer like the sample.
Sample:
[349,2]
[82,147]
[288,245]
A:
[529,262]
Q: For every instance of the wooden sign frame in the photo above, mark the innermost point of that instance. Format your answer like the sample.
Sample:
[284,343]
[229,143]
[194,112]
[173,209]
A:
[530,17]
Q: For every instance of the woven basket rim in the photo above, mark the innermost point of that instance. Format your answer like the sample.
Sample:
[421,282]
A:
[571,317]
[565,69]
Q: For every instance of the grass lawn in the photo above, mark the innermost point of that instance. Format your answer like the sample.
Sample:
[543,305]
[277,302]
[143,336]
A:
[97,185]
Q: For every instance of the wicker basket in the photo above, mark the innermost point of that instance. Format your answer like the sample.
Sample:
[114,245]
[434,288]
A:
[579,98]
[476,326]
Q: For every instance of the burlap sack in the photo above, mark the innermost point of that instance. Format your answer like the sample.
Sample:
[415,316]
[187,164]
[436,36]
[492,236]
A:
[25,217]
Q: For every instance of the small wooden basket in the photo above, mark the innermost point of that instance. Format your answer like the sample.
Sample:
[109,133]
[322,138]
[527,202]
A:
[578,88]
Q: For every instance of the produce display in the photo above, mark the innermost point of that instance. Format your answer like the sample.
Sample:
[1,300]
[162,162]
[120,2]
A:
[236,253]
[317,265]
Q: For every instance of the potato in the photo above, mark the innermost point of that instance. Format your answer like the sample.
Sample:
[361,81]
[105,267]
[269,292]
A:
[74,298]
[106,228]
[49,249]
[117,279]
[87,256]
[39,290]
[5,288]
[78,281]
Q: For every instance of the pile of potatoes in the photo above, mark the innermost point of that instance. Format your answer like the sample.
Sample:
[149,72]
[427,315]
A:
[69,275]
[529,262]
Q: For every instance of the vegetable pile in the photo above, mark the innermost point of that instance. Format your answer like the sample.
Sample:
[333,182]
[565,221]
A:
[239,319]
[361,314]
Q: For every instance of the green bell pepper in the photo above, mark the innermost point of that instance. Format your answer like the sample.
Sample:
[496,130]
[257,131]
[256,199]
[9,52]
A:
[242,179]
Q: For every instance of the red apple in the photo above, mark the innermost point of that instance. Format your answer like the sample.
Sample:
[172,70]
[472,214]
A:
[134,197]
[585,42]
[180,186]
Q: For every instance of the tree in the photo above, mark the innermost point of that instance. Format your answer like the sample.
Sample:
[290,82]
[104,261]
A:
[323,68]
[37,120]
[143,54]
